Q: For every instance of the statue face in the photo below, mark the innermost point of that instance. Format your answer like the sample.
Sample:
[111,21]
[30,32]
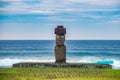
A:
[60,40]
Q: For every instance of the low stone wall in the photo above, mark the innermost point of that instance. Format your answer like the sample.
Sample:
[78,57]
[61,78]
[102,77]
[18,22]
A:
[63,65]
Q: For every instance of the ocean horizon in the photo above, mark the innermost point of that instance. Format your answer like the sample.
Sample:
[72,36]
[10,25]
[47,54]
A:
[87,51]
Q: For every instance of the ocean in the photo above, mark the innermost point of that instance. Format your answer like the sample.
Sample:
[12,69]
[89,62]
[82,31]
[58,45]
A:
[87,51]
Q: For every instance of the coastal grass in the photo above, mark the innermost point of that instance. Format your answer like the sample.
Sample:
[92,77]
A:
[58,74]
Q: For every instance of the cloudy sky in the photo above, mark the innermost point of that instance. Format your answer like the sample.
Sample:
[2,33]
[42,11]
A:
[36,19]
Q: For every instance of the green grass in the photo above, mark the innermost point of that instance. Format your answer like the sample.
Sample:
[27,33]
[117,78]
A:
[58,74]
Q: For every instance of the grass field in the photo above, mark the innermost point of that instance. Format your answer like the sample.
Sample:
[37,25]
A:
[58,74]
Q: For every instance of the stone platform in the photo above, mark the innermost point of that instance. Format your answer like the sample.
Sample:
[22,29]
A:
[63,65]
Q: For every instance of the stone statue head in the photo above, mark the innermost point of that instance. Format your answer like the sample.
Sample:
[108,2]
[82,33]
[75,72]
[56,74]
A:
[60,40]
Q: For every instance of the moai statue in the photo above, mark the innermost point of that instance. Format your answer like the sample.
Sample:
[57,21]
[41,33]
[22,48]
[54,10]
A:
[60,48]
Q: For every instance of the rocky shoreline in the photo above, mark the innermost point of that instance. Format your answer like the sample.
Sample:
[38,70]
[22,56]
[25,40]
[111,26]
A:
[63,65]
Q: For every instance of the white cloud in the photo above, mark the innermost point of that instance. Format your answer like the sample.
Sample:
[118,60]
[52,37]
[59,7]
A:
[11,0]
[61,6]
[61,19]
[56,6]
[89,10]
[14,8]
[40,11]
[115,21]
[98,2]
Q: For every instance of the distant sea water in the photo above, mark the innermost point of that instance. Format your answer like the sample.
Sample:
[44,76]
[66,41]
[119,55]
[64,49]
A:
[87,51]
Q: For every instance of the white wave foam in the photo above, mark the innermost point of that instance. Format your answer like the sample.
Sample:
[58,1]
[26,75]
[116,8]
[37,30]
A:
[7,62]
[116,64]
[112,61]
[87,59]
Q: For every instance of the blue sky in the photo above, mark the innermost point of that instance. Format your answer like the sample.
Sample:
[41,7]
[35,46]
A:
[36,19]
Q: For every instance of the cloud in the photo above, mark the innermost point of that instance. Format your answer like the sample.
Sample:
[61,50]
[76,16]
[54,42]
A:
[12,0]
[98,2]
[115,19]
[40,12]
[69,10]
[55,6]
[61,19]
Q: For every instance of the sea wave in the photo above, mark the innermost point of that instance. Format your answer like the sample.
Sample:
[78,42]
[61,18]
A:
[8,62]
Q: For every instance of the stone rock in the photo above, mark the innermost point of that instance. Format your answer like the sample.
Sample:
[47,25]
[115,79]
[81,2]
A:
[60,54]
[60,48]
